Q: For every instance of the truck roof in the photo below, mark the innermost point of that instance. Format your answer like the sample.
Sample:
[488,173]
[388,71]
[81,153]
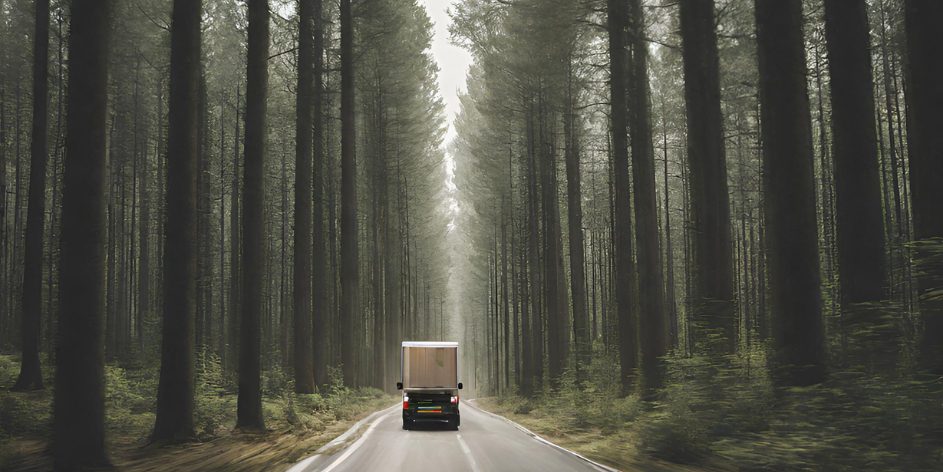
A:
[430,344]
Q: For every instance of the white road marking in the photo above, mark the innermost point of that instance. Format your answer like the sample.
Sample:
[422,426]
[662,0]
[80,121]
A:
[468,453]
[353,447]
[377,418]
[538,438]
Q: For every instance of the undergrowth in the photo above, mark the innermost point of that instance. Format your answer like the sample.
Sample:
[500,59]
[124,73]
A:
[130,402]
[725,413]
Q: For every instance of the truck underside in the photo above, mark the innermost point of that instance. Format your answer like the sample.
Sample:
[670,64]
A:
[431,408]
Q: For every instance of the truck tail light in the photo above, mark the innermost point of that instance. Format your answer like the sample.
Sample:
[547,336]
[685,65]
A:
[455,399]
[405,403]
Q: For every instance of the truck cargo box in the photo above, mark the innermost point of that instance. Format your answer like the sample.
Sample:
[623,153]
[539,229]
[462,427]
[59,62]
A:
[430,365]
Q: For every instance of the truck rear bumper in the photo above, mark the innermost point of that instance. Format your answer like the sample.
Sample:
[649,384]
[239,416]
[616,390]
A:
[453,419]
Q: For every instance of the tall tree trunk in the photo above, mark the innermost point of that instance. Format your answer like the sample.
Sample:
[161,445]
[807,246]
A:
[526,374]
[505,299]
[4,233]
[223,313]
[79,398]
[350,259]
[556,319]
[304,362]
[652,329]
[249,408]
[235,245]
[320,282]
[537,291]
[622,222]
[144,239]
[204,267]
[672,307]
[581,327]
[857,180]
[176,388]
[798,335]
[712,293]
[925,102]
[30,375]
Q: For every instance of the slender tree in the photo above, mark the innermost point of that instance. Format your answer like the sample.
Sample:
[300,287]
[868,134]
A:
[30,374]
[798,333]
[303,355]
[249,407]
[176,388]
[925,103]
[79,398]
[652,326]
[622,223]
[320,283]
[350,240]
[710,203]
[581,326]
[860,226]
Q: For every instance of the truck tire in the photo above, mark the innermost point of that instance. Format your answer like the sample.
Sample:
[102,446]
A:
[453,423]
[406,424]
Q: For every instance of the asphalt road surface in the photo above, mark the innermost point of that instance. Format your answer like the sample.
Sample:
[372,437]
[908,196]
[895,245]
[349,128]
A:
[484,443]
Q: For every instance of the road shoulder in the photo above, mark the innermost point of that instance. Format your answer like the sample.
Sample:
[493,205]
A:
[590,445]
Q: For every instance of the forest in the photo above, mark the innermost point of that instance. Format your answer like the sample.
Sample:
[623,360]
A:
[668,234]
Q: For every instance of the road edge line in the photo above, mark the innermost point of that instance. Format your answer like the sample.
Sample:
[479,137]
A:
[539,438]
[468,454]
[303,465]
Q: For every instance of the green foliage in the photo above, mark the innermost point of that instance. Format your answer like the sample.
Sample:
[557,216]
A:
[24,414]
[725,411]
[705,399]
[130,399]
[130,402]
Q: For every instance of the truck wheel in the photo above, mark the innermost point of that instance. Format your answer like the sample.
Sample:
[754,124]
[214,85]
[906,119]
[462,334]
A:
[406,425]
[453,424]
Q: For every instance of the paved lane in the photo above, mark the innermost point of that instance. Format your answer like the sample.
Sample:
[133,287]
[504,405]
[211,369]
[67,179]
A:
[484,443]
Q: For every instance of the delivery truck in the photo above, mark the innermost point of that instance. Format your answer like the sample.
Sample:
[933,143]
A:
[429,372]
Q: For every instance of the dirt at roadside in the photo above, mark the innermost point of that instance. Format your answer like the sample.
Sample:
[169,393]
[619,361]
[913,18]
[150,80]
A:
[234,451]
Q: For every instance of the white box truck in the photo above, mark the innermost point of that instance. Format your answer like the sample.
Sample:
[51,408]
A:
[430,383]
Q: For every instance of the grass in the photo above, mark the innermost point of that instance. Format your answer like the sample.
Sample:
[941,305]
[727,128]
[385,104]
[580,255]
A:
[726,415]
[298,424]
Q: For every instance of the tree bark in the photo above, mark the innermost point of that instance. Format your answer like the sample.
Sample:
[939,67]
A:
[304,362]
[350,259]
[176,388]
[320,282]
[925,102]
[622,221]
[30,374]
[79,398]
[249,408]
[652,329]
[235,245]
[860,228]
[798,335]
[712,293]
[581,327]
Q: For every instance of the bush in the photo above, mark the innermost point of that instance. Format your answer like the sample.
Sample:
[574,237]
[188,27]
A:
[24,414]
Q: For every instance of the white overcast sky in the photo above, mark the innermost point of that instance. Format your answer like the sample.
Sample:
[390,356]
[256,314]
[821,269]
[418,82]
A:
[453,61]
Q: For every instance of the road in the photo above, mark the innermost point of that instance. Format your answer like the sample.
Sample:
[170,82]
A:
[483,443]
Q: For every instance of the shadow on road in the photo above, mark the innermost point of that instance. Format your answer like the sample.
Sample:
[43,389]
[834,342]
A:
[430,426]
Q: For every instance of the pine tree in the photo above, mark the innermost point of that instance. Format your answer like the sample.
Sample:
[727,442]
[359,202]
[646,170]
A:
[79,398]
[176,388]
[798,337]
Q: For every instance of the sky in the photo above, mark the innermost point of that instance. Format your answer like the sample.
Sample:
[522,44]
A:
[453,61]
[453,64]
